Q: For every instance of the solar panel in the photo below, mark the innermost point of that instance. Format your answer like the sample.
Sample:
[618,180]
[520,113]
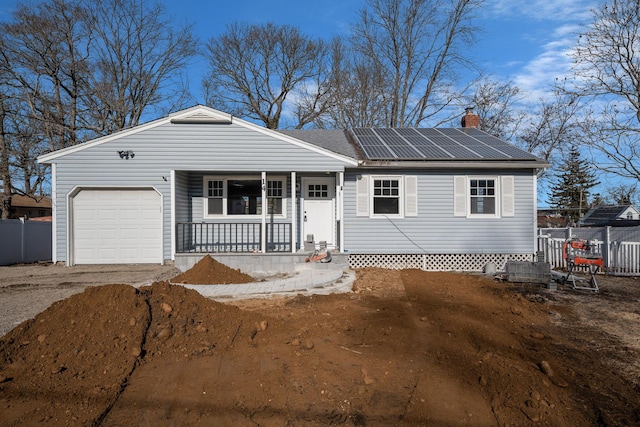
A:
[436,144]
[487,152]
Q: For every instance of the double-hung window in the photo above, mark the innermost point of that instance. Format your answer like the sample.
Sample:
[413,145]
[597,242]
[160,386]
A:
[484,196]
[482,199]
[386,196]
[232,196]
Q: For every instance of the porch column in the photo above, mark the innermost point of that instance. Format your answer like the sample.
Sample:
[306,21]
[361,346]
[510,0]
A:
[265,208]
[294,216]
[172,182]
[340,213]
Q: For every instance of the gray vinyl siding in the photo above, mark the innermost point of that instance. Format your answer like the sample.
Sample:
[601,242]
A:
[435,230]
[182,205]
[207,149]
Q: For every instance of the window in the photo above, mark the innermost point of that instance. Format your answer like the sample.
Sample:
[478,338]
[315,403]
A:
[483,196]
[386,196]
[242,196]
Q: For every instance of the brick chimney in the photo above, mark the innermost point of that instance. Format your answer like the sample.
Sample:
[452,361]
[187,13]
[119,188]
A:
[470,119]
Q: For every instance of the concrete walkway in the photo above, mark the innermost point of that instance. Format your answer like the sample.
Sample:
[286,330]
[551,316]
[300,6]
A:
[302,281]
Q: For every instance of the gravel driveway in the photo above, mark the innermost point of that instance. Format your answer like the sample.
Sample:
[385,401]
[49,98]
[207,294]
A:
[26,290]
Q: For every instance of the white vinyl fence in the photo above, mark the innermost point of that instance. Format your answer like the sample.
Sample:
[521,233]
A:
[24,241]
[618,246]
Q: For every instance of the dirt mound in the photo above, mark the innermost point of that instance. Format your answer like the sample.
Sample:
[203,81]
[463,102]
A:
[208,271]
[69,364]
[405,348]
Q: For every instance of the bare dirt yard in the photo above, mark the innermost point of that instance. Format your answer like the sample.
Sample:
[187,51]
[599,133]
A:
[404,348]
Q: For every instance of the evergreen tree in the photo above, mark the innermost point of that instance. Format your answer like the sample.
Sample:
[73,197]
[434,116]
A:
[571,191]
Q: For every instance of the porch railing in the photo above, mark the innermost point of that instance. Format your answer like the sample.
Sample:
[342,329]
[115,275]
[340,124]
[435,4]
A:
[206,237]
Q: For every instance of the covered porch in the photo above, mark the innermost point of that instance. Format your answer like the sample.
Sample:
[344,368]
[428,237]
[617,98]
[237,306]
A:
[222,213]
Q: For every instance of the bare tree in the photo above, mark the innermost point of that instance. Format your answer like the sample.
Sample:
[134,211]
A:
[5,176]
[495,102]
[417,46]
[622,194]
[552,128]
[607,76]
[45,49]
[357,89]
[138,55]
[253,69]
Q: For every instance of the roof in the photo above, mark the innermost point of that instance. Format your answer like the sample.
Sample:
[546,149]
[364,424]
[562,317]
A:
[420,147]
[435,144]
[331,139]
[202,115]
[19,201]
[602,214]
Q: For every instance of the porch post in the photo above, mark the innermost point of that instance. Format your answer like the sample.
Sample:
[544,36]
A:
[265,208]
[294,212]
[340,188]
[172,182]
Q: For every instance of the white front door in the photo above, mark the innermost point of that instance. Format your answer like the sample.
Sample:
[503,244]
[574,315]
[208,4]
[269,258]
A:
[319,210]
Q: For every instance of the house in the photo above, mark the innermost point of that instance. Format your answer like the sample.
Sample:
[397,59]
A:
[605,215]
[201,181]
[30,207]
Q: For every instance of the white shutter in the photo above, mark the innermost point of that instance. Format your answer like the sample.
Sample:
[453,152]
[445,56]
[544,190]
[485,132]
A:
[411,196]
[362,195]
[508,196]
[459,196]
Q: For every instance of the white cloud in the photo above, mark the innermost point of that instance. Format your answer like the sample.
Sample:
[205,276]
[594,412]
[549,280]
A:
[555,10]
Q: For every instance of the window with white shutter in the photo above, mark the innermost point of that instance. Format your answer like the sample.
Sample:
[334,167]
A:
[411,195]
[362,195]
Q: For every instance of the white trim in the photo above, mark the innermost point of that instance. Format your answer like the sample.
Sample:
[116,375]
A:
[460,196]
[401,195]
[54,215]
[294,217]
[78,188]
[496,196]
[200,111]
[341,210]
[411,195]
[362,195]
[265,208]
[172,184]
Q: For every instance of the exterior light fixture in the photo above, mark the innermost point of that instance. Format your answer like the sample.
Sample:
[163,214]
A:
[126,154]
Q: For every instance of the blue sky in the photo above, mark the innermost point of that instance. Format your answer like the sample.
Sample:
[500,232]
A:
[522,41]
[518,40]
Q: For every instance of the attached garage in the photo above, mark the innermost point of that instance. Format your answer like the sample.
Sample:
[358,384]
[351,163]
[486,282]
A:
[116,226]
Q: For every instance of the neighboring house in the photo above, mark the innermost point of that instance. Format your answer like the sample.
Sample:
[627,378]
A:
[604,215]
[202,181]
[29,207]
[550,218]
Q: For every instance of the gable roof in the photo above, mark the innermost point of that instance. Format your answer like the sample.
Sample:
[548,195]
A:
[20,201]
[421,147]
[198,114]
[603,214]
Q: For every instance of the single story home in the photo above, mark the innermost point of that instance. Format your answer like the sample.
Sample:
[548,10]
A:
[201,181]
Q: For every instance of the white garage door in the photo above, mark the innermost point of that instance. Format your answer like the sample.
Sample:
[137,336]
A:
[117,227]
